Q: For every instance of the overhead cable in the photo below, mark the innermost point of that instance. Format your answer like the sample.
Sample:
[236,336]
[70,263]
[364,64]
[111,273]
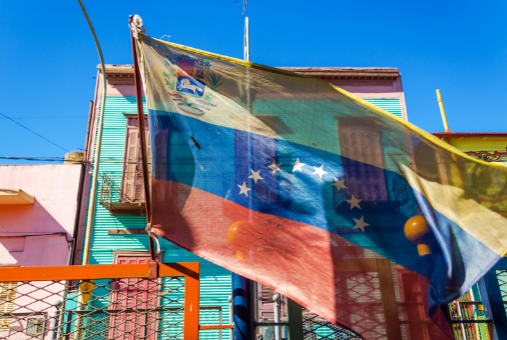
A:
[42,159]
[34,132]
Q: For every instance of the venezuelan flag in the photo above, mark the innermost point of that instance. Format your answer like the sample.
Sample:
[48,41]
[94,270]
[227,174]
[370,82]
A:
[290,181]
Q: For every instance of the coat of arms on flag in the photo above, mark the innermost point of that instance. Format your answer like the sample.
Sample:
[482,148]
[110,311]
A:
[187,80]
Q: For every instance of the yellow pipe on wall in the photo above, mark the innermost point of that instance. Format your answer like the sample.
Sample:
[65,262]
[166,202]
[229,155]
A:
[442,111]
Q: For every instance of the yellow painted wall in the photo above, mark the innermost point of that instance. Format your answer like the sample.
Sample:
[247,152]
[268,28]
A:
[488,144]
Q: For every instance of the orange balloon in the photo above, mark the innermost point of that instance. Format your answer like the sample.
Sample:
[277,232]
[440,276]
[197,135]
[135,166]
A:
[417,230]
[238,233]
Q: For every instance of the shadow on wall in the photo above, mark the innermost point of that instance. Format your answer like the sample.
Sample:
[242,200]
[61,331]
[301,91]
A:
[30,236]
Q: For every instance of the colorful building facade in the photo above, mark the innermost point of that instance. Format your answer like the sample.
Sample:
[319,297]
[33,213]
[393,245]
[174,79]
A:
[119,225]
[39,214]
[484,304]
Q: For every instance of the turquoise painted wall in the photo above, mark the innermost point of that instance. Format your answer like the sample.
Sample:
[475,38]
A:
[215,281]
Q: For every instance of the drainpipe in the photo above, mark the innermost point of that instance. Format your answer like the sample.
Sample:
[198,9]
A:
[93,193]
[87,140]
[74,247]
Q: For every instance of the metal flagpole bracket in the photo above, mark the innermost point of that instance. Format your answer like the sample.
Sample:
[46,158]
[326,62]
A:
[136,25]
[153,236]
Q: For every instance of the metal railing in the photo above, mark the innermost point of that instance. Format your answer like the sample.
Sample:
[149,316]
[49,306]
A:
[111,189]
[469,320]
[123,302]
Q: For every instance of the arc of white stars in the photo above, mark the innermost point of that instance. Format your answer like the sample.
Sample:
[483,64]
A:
[339,184]
[354,202]
[255,175]
[319,171]
[275,167]
[298,166]
[244,189]
[360,223]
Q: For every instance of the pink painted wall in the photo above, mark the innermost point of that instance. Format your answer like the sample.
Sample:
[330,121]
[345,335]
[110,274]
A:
[39,234]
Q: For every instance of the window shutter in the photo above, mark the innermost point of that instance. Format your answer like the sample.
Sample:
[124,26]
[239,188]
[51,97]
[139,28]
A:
[266,304]
[133,185]
[129,171]
[361,148]
[7,297]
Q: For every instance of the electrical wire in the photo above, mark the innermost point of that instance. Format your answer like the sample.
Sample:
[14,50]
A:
[68,237]
[61,117]
[61,159]
[41,159]
[34,132]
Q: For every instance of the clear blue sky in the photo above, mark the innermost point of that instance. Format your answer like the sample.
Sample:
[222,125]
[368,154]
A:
[49,59]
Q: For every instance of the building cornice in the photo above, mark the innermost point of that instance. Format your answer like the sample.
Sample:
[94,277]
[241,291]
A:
[325,73]
[347,73]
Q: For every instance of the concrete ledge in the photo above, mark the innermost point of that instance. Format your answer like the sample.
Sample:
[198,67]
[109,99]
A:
[15,196]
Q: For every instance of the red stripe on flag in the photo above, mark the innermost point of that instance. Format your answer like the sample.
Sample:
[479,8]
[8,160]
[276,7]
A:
[320,270]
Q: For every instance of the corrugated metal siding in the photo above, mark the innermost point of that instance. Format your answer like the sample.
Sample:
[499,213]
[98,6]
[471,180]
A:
[215,280]
[390,105]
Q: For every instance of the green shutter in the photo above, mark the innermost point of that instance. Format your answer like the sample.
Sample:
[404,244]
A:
[390,105]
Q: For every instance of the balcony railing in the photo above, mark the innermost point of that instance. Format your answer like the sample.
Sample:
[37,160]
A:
[469,320]
[114,197]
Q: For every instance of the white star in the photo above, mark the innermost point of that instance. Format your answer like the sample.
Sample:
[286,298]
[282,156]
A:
[275,167]
[243,189]
[339,184]
[298,165]
[360,223]
[255,175]
[354,202]
[319,171]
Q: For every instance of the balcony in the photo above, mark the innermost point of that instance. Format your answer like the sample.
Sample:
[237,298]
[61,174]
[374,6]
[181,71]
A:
[121,195]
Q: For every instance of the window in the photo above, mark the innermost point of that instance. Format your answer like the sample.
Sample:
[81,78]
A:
[7,297]
[266,304]
[132,177]
[35,326]
[362,160]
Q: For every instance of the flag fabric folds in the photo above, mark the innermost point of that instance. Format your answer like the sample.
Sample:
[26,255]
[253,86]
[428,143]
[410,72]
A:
[290,181]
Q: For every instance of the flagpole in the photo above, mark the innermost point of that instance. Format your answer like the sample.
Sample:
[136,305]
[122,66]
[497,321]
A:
[142,137]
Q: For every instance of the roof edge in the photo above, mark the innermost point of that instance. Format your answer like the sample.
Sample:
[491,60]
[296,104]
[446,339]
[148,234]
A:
[469,134]
[332,73]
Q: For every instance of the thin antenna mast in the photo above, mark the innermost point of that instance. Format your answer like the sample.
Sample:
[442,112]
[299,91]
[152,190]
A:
[247,42]
[244,301]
